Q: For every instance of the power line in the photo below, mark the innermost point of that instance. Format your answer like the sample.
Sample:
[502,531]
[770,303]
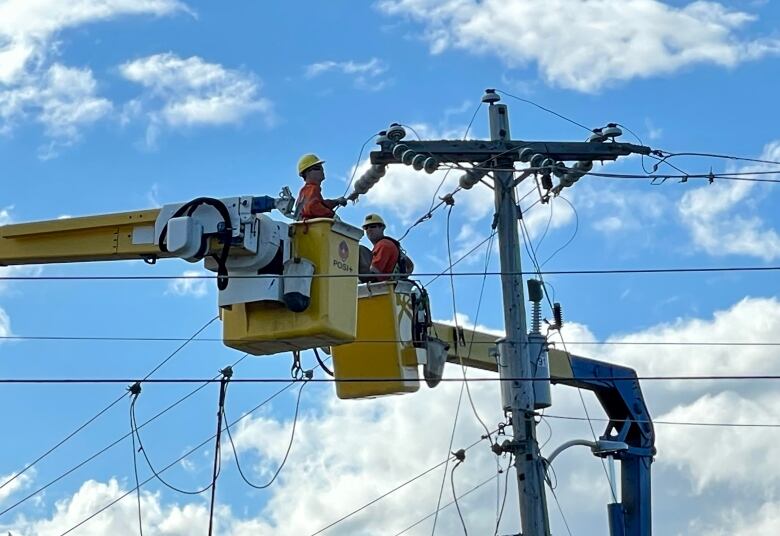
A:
[286,454]
[436,275]
[685,176]
[475,488]
[455,497]
[666,155]
[532,254]
[135,460]
[77,338]
[119,440]
[47,381]
[142,449]
[357,163]
[390,492]
[503,501]
[675,423]
[460,359]
[570,240]
[532,103]
[105,409]
[560,509]
[176,461]
[468,127]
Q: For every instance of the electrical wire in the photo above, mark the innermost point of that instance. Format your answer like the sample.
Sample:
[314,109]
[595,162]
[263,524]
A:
[675,423]
[642,157]
[506,489]
[532,254]
[390,492]
[666,155]
[546,227]
[226,373]
[455,497]
[102,411]
[573,236]
[385,341]
[461,258]
[465,135]
[428,215]
[549,437]
[740,175]
[135,466]
[176,461]
[434,275]
[357,163]
[729,377]
[737,176]
[142,450]
[286,454]
[114,443]
[475,488]
[476,319]
[532,103]
[460,358]
[560,509]
[447,461]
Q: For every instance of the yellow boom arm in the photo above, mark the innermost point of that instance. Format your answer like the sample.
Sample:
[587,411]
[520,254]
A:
[478,355]
[120,236]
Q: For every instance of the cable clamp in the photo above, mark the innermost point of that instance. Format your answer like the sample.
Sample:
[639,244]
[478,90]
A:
[134,389]
[460,455]
[448,199]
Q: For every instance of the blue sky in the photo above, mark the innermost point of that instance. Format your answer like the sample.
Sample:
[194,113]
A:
[116,105]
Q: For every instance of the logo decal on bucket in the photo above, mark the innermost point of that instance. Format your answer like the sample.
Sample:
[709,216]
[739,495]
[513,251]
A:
[344,251]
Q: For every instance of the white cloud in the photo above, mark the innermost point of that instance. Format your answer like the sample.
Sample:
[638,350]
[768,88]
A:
[755,320]
[735,522]
[721,216]
[190,284]
[408,194]
[62,98]
[330,472]
[366,75]
[21,481]
[5,329]
[192,92]
[746,452]
[612,210]
[587,45]
[336,472]
[122,518]
[153,195]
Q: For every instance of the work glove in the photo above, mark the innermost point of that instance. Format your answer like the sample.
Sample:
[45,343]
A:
[341,201]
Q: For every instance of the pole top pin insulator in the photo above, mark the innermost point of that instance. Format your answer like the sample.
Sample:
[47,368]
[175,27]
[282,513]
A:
[490,96]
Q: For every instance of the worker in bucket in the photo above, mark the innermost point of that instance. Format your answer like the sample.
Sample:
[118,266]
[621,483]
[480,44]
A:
[310,203]
[387,259]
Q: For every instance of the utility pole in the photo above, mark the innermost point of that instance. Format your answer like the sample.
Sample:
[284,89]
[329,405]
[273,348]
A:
[528,466]
[499,155]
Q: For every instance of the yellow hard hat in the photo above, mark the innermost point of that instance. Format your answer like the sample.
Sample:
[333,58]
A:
[372,219]
[308,160]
